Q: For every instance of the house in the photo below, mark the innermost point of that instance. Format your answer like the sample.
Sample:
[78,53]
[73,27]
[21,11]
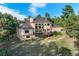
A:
[33,28]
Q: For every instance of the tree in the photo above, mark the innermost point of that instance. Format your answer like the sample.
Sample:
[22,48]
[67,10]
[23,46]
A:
[8,25]
[67,11]
[58,21]
[64,52]
[71,23]
[48,17]
[38,16]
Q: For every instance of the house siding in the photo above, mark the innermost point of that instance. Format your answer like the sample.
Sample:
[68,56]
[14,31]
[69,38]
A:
[22,35]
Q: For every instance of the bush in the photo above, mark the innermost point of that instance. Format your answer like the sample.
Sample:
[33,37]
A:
[57,33]
[64,52]
[5,52]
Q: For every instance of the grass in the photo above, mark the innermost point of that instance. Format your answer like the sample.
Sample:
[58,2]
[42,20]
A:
[62,41]
[65,43]
[32,47]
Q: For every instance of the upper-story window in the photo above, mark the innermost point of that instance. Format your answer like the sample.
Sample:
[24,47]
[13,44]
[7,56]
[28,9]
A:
[39,24]
[48,24]
[45,24]
[42,24]
[26,31]
[36,24]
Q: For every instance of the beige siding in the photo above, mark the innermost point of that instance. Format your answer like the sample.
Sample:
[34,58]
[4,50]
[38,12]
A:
[32,24]
[22,35]
[47,27]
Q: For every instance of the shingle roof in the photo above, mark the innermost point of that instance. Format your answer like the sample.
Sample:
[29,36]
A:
[26,25]
[40,20]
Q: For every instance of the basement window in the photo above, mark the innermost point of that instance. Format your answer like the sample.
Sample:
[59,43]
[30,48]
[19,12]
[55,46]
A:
[27,36]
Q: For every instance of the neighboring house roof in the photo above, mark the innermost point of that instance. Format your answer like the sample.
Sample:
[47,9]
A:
[40,20]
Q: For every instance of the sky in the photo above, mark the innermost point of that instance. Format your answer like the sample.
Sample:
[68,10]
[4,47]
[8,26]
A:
[23,10]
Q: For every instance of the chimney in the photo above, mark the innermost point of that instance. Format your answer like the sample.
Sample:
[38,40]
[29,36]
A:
[31,19]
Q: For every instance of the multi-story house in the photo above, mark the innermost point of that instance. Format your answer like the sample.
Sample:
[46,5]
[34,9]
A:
[33,28]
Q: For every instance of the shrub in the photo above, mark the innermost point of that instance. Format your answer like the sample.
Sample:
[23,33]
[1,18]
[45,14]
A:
[5,52]
[57,33]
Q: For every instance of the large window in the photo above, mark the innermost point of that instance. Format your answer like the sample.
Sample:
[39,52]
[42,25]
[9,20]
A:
[40,27]
[26,31]
[36,27]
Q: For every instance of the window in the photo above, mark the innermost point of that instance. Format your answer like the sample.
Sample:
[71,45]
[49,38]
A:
[47,24]
[44,30]
[39,30]
[39,26]
[36,30]
[27,36]
[35,24]
[42,24]
[36,27]
[26,31]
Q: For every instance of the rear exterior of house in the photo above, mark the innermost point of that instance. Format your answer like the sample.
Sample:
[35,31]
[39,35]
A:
[41,26]
[33,28]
